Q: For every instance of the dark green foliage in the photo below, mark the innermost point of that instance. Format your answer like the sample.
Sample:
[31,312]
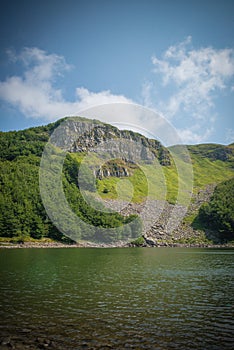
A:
[139,242]
[95,216]
[218,214]
[23,143]
[22,214]
[71,169]
[14,144]
[87,181]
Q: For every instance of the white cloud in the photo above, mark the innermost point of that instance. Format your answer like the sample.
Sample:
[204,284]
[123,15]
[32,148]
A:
[192,79]
[89,99]
[196,75]
[146,94]
[229,135]
[34,93]
[191,136]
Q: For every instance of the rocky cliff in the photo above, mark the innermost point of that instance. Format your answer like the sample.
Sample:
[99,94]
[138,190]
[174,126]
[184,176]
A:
[82,135]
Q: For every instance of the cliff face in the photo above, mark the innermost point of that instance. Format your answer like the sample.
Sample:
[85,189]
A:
[79,135]
[144,148]
[116,168]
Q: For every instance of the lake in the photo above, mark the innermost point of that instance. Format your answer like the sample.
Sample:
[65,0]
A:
[117,298]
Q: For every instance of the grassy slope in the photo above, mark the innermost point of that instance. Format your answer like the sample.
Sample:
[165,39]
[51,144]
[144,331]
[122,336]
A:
[164,182]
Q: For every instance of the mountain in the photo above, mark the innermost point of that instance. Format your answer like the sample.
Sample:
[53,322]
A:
[127,167]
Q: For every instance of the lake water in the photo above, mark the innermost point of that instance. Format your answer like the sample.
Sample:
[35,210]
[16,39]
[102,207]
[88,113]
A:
[120,298]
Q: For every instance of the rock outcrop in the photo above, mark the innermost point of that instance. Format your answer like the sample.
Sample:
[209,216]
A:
[81,135]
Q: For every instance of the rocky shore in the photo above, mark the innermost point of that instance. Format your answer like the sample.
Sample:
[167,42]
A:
[122,244]
[30,338]
[62,245]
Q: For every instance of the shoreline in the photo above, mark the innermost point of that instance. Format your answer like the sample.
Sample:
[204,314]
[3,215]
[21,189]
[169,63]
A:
[57,245]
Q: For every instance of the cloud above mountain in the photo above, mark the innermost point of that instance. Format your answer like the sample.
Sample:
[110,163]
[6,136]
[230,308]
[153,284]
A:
[191,80]
[35,93]
[183,87]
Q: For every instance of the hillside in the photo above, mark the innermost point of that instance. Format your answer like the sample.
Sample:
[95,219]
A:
[118,176]
[218,212]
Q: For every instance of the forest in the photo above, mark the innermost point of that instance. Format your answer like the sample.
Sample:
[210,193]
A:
[218,213]
[22,214]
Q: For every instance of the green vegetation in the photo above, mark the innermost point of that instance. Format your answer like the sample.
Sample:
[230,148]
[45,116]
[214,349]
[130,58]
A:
[214,152]
[218,214]
[146,180]
[22,214]
[207,171]
[140,241]
[202,239]
[162,183]
[94,214]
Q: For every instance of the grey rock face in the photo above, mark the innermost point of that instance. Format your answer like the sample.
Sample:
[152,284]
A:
[78,135]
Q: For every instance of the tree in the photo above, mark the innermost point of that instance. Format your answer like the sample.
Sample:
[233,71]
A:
[218,213]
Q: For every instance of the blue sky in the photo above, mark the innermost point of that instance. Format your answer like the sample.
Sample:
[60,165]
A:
[58,58]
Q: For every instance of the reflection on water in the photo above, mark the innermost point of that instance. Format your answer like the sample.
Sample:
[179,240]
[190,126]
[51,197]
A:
[136,298]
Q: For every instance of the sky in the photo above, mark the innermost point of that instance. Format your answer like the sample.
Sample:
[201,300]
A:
[59,58]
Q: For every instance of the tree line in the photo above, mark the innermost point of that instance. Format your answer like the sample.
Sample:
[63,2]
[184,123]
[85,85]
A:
[22,214]
[218,213]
